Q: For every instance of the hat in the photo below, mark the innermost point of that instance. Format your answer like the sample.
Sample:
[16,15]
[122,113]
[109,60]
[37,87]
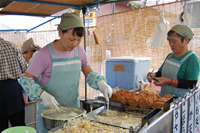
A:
[183,30]
[28,45]
[70,20]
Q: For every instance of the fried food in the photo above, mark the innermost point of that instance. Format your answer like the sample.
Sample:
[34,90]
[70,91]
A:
[145,99]
[149,89]
[145,103]
[86,126]
[120,119]
[168,96]
[133,102]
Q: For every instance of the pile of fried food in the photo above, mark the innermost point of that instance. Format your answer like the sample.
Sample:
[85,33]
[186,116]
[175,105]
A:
[120,119]
[87,126]
[148,98]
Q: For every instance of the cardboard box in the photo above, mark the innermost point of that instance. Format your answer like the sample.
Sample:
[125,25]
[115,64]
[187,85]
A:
[122,71]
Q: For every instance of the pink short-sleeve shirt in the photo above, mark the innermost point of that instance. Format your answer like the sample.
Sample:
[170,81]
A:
[42,62]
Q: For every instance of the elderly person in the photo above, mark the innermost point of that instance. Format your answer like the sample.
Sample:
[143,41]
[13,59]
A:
[60,64]
[180,70]
[29,49]
[12,67]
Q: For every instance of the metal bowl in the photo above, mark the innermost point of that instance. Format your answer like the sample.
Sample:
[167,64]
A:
[53,118]
[49,124]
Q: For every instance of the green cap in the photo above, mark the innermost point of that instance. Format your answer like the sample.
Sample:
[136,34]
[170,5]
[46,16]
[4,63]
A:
[70,20]
[183,30]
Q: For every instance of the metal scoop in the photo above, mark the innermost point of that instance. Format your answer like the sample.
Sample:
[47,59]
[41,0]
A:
[106,108]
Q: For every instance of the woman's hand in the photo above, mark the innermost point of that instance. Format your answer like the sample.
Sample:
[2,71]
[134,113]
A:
[150,75]
[163,81]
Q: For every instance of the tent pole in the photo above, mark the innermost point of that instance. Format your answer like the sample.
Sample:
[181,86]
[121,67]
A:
[86,105]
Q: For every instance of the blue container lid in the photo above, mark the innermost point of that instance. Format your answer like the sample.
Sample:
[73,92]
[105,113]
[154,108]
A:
[128,59]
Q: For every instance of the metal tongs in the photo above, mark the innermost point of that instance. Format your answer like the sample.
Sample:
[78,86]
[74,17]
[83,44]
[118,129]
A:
[106,108]
[153,78]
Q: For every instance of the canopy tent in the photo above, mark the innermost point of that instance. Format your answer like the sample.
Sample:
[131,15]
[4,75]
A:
[48,7]
[42,11]
[31,14]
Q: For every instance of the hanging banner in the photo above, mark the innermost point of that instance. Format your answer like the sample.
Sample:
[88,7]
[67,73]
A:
[184,114]
[177,119]
[197,112]
[191,115]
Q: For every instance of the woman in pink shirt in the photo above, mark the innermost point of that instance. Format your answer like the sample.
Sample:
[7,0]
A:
[60,64]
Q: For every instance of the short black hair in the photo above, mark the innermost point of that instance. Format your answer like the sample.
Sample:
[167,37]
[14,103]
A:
[79,31]
[172,32]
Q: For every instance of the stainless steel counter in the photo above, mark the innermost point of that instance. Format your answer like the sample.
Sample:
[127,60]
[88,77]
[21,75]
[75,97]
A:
[31,114]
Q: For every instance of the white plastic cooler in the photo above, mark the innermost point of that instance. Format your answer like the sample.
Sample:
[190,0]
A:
[122,71]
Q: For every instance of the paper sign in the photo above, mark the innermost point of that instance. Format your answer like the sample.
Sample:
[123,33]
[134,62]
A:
[191,115]
[99,35]
[119,67]
[184,115]
[177,120]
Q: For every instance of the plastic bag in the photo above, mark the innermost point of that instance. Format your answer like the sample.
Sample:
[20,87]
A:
[161,32]
[185,17]
[140,82]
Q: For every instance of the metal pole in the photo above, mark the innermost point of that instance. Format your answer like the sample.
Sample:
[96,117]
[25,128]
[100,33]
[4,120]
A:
[113,7]
[84,11]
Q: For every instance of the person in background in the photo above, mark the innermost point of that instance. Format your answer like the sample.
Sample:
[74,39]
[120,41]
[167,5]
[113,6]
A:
[180,70]
[29,49]
[12,66]
[60,64]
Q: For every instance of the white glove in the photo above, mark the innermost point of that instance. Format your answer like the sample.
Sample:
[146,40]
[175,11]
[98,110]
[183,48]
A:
[49,101]
[105,89]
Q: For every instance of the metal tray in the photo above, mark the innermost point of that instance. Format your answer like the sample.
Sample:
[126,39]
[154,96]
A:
[101,109]
[153,115]
[168,103]
[149,114]
[118,104]
[138,110]
[91,114]
[59,128]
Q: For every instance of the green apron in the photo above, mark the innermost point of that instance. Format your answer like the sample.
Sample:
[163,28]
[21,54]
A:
[170,70]
[63,84]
